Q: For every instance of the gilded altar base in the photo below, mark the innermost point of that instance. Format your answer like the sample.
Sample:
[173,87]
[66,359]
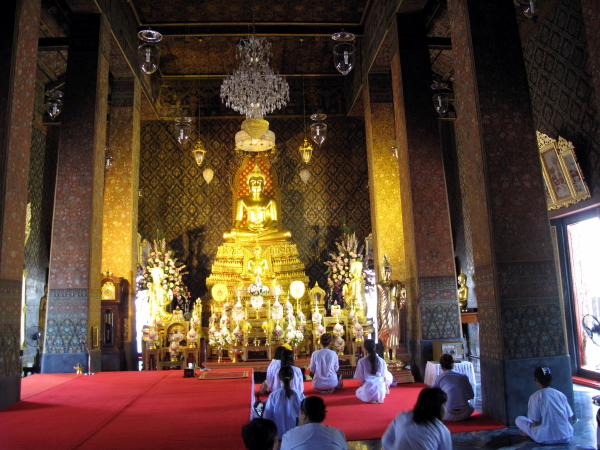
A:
[231,265]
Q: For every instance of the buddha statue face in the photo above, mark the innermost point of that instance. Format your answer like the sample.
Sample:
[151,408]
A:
[356,269]
[462,279]
[386,272]
[256,184]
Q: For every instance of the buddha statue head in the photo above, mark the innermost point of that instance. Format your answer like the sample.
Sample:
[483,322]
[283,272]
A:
[256,180]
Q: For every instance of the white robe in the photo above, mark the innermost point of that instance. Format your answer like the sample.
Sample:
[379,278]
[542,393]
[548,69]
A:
[312,436]
[404,434]
[374,387]
[282,410]
[551,408]
[325,364]
[272,374]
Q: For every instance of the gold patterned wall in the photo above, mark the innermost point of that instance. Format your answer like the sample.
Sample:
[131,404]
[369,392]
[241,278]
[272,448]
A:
[384,186]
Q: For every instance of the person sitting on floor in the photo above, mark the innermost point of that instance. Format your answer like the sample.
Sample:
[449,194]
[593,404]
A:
[311,433]
[375,379]
[272,381]
[283,405]
[260,434]
[548,413]
[458,389]
[422,428]
[324,364]
[287,359]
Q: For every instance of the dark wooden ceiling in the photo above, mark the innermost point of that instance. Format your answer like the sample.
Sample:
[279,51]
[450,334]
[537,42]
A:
[200,36]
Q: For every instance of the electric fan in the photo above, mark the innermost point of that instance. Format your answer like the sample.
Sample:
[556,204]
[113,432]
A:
[592,328]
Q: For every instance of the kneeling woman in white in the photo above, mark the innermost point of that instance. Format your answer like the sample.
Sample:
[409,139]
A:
[375,379]
[421,428]
[283,405]
[325,364]
[548,413]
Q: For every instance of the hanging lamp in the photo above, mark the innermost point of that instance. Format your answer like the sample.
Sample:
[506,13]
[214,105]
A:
[305,148]
[149,52]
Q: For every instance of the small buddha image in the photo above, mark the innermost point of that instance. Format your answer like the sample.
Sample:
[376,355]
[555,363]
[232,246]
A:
[463,291]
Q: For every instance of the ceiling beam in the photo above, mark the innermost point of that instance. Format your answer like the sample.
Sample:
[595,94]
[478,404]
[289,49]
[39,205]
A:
[231,29]
[53,44]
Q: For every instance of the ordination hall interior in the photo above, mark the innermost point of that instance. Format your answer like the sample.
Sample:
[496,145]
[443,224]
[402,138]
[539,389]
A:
[188,185]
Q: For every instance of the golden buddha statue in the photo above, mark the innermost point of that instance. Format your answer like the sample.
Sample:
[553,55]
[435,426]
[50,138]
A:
[159,298]
[391,297]
[463,291]
[257,266]
[256,215]
[354,292]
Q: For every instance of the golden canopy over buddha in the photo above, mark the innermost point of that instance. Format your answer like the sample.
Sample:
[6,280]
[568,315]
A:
[256,215]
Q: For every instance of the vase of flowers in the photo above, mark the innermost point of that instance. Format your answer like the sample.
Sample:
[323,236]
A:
[338,267]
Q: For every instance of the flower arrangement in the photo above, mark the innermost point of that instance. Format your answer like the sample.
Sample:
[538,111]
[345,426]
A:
[338,268]
[238,311]
[288,309]
[338,330]
[276,310]
[320,330]
[339,345]
[224,337]
[173,271]
[258,289]
[358,330]
[237,333]
[301,321]
[224,322]
[277,332]
[191,336]
[317,317]
[292,337]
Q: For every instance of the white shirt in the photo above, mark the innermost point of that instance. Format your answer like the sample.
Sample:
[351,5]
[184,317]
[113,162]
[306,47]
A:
[282,410]
[404,434]
[313,436]
[551,408]
[324,363]
[457,387]
[272,374]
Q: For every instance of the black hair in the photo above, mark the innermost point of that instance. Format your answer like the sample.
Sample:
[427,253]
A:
[543,376]
[314,408]
[325,339]
[259,434]
[429,405]
[278,351]
[287,357]
[447,361]
[372,357]
[286,375]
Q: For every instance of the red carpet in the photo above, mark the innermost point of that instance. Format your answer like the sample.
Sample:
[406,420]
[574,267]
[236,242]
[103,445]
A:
[133,410]
[359,420]
[34,384]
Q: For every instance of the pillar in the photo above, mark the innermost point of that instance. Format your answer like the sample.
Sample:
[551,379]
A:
[75,256]
[433,310]
[119,232]
[384,183]
[19,34]
[521,323]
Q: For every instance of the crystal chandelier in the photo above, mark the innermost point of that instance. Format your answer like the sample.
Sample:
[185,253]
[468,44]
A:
[253,89]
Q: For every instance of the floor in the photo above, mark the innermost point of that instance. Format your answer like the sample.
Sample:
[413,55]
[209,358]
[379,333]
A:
[507,439]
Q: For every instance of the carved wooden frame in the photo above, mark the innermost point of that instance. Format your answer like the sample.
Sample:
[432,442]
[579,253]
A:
[564,183]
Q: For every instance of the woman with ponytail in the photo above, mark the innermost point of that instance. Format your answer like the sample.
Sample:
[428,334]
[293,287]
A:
[287,359]
[375,379]
[283,405]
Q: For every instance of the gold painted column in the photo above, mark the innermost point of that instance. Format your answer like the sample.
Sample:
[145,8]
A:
[384,184]
[119,228]
[19,33]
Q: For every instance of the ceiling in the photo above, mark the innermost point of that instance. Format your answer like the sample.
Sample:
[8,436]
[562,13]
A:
[200,37]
